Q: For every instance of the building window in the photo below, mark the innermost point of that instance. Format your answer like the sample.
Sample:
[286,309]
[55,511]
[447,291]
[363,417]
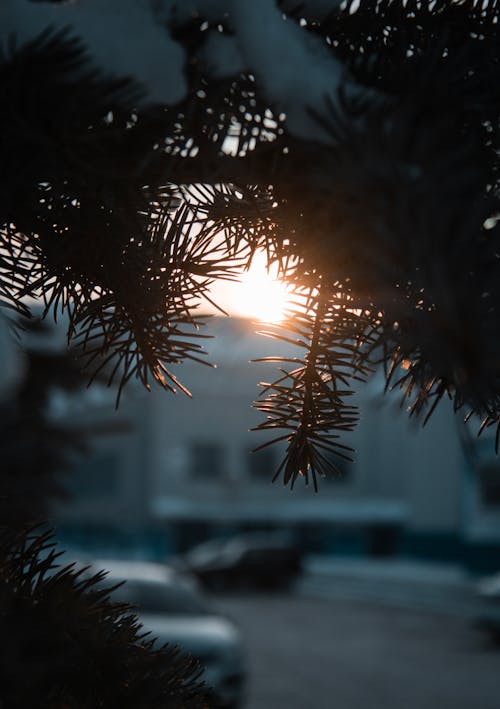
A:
[206,460]
[489,484]
[261,464]
[94,477]
[345,468]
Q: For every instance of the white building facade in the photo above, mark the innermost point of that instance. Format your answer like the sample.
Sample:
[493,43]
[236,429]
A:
[185,471]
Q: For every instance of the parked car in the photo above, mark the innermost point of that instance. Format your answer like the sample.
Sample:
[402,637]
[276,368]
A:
[255,560]
[172,607]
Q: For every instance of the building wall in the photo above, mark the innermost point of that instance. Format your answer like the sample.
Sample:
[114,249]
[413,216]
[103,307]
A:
[109,483]
[414,473]
[187,465]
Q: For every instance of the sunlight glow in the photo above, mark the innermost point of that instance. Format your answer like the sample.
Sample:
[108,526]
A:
[259,295]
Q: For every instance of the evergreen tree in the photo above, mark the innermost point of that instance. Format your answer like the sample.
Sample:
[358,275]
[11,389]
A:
[68,644]
[376,191]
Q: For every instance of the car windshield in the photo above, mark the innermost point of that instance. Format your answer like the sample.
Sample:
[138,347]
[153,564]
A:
[158,597]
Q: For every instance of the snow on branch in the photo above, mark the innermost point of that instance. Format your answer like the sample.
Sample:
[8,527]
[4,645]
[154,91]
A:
[295,69]
[122,37]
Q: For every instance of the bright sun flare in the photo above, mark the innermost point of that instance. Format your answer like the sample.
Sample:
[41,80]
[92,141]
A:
[259,295]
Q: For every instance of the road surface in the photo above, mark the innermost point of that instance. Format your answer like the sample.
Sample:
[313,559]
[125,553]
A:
[320,653]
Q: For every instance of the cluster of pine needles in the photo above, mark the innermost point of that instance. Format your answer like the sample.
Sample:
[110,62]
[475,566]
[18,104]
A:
[123,219]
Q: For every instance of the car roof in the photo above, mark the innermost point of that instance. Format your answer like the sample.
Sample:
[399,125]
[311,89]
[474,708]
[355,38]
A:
[145,571]
[250,540]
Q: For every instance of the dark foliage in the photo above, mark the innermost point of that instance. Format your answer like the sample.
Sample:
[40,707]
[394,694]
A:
[35,450]
[67,645]
[308,402]
[123,219]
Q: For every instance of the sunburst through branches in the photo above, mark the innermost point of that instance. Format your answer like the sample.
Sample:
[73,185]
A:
[390,225]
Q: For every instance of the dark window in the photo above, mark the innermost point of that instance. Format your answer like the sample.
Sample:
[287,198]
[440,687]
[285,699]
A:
[489,482]
[94,477]
[261,464]
[342,472]
[206,460]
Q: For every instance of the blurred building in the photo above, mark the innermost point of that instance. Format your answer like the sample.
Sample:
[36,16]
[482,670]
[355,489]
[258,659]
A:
[185,472]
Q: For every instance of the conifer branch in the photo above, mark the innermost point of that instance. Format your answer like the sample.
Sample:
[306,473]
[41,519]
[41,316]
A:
[308,402]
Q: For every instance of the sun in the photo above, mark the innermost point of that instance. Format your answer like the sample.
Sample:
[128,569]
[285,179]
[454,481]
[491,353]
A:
[259,295]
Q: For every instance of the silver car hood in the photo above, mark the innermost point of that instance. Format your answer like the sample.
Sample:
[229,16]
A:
[193,632]
[214,640]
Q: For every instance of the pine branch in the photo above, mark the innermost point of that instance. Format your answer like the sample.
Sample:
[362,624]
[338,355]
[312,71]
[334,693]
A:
[70,645]
[123,220]
[308,401]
